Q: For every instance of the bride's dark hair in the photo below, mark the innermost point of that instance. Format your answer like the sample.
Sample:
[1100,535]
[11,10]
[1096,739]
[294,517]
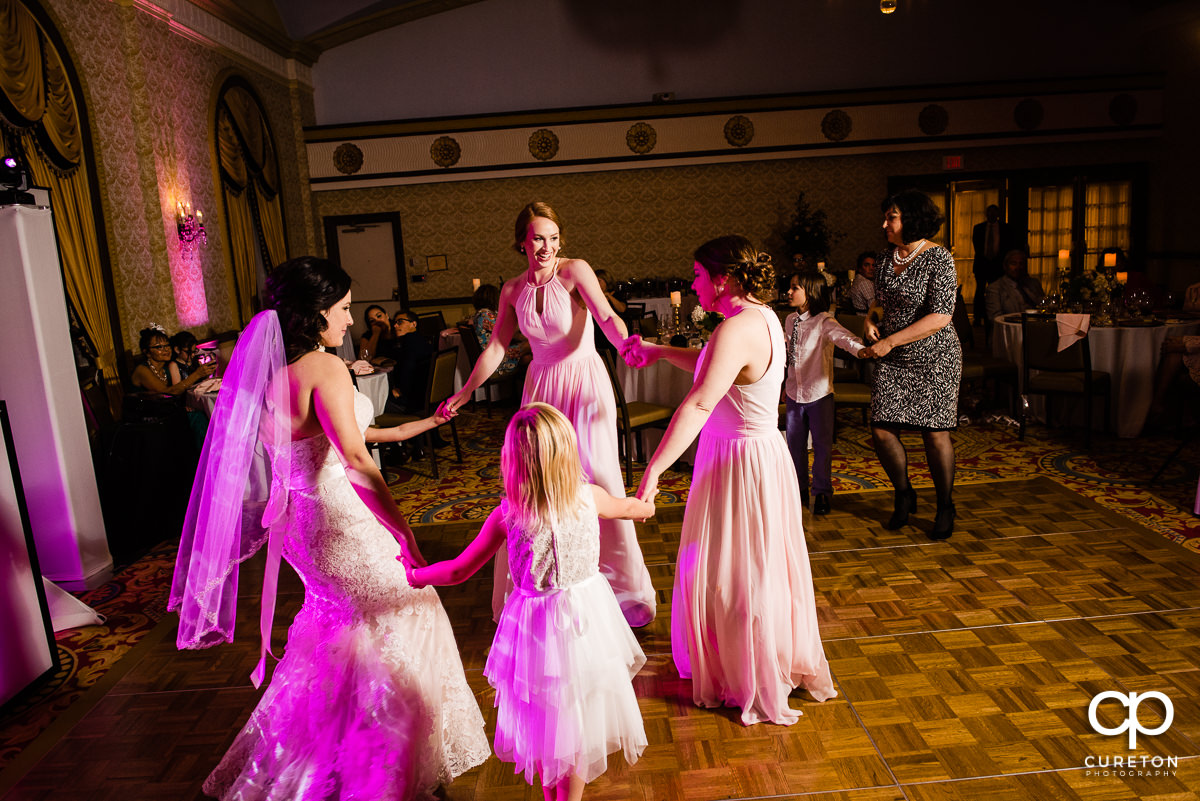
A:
[299,290]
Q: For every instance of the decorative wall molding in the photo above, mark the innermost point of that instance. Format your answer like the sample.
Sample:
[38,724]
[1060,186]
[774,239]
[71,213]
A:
[748,129]
[198,25]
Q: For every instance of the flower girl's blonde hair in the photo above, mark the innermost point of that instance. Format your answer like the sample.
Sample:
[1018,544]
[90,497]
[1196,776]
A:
[540,466]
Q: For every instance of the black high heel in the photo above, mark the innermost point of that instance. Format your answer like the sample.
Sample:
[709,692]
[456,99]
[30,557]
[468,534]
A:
[906,502]
[943,524]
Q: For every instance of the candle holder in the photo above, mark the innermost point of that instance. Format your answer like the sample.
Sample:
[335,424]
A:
[190,227]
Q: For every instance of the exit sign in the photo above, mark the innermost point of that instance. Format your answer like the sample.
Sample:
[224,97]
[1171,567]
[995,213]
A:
[952,162]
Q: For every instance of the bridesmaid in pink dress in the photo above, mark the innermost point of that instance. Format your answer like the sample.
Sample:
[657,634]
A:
[743,613]
[554,303]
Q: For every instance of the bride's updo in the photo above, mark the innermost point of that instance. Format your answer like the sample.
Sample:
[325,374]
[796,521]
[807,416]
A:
[735,257]
[299,290]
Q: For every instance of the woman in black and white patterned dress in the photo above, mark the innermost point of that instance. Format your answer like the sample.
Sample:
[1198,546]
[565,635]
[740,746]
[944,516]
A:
[919,356]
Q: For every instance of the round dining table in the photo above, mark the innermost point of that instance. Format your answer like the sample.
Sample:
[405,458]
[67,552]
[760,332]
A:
[1128,353]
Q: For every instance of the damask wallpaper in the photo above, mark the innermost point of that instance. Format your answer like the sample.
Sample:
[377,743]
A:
[646,223]
[149,94]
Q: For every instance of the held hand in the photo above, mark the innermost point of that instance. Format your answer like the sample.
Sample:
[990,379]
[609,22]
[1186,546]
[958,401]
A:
[638,353]
[648,489]
[449,407]
[410,574]
[646,512]
[870,331]
[878,350]
[410,554]
[439,420]
[361,367]
[205,370]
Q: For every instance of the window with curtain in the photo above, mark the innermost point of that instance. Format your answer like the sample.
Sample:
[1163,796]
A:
[1051,213]
[968,207]
[1106,218]
[250,191]
[41,107]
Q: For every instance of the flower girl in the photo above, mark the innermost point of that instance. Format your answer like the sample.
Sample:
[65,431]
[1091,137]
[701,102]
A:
[563,658]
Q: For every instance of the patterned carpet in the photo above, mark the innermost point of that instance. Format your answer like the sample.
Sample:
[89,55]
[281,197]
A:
[1116,474]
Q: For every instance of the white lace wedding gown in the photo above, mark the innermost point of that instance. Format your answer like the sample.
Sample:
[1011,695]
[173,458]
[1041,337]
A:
[369,700]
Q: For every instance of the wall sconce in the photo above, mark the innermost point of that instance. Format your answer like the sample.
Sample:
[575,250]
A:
[191,227]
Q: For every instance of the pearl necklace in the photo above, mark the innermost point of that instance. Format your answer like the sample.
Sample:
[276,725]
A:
[905,260]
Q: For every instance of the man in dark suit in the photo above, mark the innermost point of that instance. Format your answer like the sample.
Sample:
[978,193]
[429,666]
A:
[992,239]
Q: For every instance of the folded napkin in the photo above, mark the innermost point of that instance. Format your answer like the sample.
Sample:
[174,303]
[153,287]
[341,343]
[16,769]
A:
[1071,328]
[208,385]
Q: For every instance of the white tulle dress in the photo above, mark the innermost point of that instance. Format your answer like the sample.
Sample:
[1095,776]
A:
[370,700]
[563,657]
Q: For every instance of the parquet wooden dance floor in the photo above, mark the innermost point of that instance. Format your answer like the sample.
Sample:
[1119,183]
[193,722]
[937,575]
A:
[965,670]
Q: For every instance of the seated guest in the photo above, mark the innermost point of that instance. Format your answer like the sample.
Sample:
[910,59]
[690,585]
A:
[486,300]
[412,353]
[183,357]
[1191,298]
[151,375]
[862,291]
[1178,353]
[379,330]
[1016,290]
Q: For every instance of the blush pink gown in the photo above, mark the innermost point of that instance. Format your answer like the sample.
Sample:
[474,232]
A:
[743,613]
[568,374]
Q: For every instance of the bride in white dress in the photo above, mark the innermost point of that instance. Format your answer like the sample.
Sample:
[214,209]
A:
[370,699]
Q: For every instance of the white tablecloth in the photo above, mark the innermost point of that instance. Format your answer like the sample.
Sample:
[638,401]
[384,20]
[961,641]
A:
[1130,355]
[375,387]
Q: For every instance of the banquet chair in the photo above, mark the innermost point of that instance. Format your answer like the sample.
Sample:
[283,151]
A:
[1049,371]
[982,367]
[513,380]
[430,325]
[440,386]
[647,326]
[633,417]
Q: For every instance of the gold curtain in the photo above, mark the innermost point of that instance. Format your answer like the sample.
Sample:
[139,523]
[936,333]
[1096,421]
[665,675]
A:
[271,216]
[247,161]
[21,62]
[35,83]
[242,246]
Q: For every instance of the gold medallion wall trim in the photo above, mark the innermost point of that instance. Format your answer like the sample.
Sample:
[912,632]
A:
[933,120]
[1028,114]
[836,125]
[714,132]
[543,144]
[641,138]
[445,151]
[739,131]
[1123,109]
[348,158]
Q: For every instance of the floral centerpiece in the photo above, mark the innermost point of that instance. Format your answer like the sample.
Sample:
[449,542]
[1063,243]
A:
[706,321]
[1087,287]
